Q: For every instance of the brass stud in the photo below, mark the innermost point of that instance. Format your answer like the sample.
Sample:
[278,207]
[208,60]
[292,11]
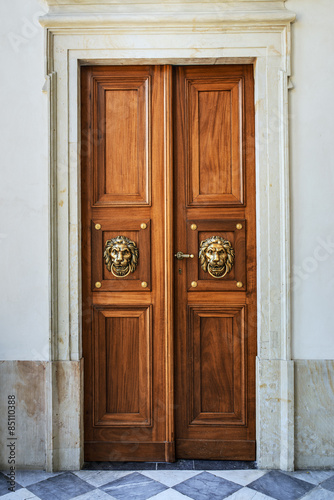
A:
[240,284]
[144,284]
[143,225]
[98,284]
[239,226]
[97,227]
[194,284]
[193,227]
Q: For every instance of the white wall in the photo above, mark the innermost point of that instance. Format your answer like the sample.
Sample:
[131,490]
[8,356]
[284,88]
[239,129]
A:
[24,307]
[24,184]
[312,178]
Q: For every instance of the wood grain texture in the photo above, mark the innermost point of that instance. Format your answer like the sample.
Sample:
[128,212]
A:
[122,138]
[213,118]
[169,369]
[215,322]
[123,359]
[128,374]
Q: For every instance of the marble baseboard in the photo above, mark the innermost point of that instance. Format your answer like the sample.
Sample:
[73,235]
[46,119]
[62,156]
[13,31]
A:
[314,414]
[25,380]
[43,388]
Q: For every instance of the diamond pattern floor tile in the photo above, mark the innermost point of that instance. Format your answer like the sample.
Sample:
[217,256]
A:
[281,486]
[206,486]
[63,487]
[312,476]
[170,494]
[134,486]
[99,478]
[328,484]
[4,485]
[248,494]
[242,477]
[171,477]
[319,494]
[21,494]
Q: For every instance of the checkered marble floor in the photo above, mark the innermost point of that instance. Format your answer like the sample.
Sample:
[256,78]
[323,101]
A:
[156,483]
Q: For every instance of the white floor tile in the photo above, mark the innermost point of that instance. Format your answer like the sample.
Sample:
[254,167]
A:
[312,476]
[170,495]
[242,477]
[100,477]
[170,477]
[27,477]
[95,495]
[248,494]
[319,494]
[21,494]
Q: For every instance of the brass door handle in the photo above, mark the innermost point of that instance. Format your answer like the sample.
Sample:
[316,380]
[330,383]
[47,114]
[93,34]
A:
[181,255]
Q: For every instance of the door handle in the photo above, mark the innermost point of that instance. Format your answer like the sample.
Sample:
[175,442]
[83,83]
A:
[181,255]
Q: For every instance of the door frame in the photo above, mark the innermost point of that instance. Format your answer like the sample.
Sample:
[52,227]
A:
[76,36]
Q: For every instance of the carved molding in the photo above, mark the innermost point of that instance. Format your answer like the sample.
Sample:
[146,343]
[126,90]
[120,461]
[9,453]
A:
[182,14]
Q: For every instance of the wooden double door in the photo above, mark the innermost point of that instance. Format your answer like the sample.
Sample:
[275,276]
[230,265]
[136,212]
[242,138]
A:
[168,262]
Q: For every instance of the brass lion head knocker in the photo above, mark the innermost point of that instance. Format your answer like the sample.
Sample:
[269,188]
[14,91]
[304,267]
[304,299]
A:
[121,256]
[216,256]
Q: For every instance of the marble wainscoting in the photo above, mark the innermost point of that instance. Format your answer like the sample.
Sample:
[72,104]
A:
[26,380]
[48,413]
[314,414]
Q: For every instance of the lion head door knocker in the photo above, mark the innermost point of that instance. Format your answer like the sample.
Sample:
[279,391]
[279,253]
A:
[121,256]
[216,256]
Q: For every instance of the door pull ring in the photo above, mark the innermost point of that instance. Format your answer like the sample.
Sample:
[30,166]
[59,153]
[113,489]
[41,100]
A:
[181,255]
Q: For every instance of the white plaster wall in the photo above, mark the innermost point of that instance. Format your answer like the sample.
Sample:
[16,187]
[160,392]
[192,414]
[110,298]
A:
[24,307]
[312,179]
[24,310]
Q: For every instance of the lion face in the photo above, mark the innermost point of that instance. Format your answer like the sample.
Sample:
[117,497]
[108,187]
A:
[121,256]
[216,256]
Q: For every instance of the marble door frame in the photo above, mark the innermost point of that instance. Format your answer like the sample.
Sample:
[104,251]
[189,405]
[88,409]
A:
[99,32]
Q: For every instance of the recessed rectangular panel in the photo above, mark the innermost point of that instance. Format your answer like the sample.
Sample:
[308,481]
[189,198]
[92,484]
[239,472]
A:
[122,144]
[219,247]
[215,134]
[122,370]
[215,364]
[121,255]
[216,344]
[122,337]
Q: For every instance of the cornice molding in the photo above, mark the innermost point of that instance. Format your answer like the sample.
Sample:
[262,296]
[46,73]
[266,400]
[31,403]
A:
[152,14]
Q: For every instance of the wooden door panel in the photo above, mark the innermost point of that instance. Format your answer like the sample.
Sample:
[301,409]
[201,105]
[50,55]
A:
[136,122]
[136,230]
[215,292]
[216,369]
[234,232]
[122,366]
[213,116]
[125,332]
[122,161]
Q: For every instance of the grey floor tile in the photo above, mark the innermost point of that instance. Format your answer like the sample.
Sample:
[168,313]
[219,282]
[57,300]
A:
[312,476]
[281,486]
[248,494]
[170,477]
[178,465]
[132,466]
[134,486]
[98,478]
[223,464]
[63,487]
[319,494]
[206,486]
[242,477]
[328,484]
[27,477]
[21,494]
[4,485]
